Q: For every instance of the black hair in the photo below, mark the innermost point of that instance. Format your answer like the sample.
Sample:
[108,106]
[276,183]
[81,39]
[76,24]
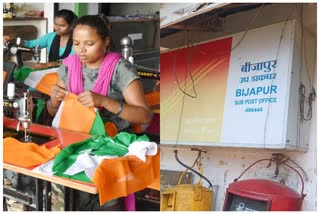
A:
[98,22]
[67,15]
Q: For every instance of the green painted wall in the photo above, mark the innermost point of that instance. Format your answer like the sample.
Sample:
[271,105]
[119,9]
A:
[80,9]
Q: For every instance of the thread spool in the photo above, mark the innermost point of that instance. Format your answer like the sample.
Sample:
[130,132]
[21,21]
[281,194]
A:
[18,41]
[11,90]
[130,59]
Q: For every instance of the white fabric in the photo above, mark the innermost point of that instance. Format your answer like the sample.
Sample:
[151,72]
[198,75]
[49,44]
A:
[142,148]
[57,117]
[35,77]
[86,162]
[45,168]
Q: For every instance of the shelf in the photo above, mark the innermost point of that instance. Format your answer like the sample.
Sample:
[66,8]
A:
[25,18]
[113,19]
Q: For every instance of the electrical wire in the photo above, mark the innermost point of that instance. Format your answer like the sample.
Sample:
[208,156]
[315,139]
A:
[299,167]
[183,90]
[248,27]
[193,46]
[271,82]
[190,55]
[244,34]
[304,48]
[181,111]
[302,100]
[190,73]
[302,90]
[188,70]
[217,53]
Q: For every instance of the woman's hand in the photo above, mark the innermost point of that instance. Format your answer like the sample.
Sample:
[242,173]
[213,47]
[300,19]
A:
[57,93]
[6,38]
[39,66]
[90,99]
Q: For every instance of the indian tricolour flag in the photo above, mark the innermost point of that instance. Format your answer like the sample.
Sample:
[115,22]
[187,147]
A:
[41,80]
[118,166]
[74,116]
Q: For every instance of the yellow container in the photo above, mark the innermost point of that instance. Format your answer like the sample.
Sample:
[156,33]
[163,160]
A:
[186,197]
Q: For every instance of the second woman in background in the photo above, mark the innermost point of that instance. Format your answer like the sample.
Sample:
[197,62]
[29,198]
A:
[59,42]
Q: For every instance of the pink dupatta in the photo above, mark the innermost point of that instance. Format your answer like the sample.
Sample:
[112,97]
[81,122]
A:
[101,86]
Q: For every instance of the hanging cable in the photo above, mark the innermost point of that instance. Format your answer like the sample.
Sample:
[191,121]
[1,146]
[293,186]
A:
[271,82]
[189,61]
[248,27]
[303,99]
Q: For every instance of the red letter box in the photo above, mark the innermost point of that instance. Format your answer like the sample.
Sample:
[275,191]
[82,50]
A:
[262,195]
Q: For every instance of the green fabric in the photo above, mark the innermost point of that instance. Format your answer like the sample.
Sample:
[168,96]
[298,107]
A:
[22,74]
[98,145]
[40,107]
[98,126]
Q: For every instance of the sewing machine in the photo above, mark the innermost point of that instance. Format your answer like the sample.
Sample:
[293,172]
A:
[15,51]
[17,104]
[145,72]
[25,117]
[20,109]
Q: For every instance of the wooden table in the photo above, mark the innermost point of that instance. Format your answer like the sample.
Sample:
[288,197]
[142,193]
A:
[63,138]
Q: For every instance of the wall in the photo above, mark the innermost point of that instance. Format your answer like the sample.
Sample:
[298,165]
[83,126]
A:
[68,6]
[223,165]
[93,8]
[49,14]
[118,9]
[122,9]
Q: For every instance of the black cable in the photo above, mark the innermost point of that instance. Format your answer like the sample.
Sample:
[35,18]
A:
[176,156]
[190,73]
[303,99]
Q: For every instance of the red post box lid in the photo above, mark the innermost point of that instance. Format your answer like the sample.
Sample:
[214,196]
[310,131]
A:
[263,189]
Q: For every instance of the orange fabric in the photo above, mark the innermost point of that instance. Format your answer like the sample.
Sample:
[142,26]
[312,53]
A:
[4,76]
[26,154]
[75,116]
[47,82]
[153,98]
[122,176]
[137,128]
[111,129]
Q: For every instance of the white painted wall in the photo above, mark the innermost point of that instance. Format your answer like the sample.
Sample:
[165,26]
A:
[49,14]
[223,165]
[68,6]
[93,8]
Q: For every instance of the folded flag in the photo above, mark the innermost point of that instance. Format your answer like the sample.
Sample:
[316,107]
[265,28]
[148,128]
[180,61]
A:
[74,116]
[26,154]
[128,170]
[99,146]
[122,176]
[41,80]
